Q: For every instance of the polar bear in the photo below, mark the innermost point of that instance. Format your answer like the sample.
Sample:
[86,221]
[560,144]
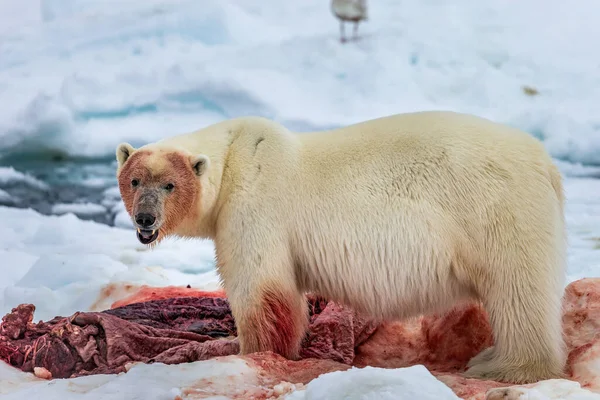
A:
[396,217]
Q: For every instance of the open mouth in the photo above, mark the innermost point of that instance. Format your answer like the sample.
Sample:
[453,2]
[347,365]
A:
[146,236]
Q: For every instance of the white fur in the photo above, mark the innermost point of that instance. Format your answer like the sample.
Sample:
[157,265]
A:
[396,217]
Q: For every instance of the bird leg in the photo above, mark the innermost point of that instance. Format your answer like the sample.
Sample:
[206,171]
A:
[342,36]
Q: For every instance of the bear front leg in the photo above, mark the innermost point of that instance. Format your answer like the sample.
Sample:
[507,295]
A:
[258,275]
[274,318]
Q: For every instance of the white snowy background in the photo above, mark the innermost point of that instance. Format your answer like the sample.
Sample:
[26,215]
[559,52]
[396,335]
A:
[79,76]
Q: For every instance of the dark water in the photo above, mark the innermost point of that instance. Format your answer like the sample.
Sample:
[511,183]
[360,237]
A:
[67,181]
[70,180]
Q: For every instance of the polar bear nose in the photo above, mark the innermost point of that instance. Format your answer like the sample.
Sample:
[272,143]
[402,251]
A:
[145,220]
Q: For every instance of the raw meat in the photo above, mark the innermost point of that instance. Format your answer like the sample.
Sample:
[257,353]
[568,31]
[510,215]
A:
[170,331]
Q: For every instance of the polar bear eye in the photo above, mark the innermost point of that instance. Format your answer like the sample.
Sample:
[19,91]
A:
[169,187]
[135,182]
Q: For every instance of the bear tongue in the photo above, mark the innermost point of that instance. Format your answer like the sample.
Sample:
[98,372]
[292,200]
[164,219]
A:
[146,234]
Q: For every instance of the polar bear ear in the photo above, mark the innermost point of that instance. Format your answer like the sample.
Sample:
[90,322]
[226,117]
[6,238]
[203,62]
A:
[200,164]
[124,151]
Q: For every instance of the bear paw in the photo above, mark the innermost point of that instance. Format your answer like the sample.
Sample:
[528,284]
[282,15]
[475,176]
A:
[521,372]
[483,356]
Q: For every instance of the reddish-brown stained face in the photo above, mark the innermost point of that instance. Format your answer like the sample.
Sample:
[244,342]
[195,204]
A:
[133,168]
[154,172]
[182,202]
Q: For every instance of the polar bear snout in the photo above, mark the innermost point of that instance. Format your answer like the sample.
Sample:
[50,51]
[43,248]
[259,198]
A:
[147,228]
[145,220]
[145,223]
[147,210]
[147,215]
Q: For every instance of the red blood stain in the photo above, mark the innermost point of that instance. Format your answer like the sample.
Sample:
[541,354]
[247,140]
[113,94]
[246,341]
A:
[468,389]
[441,342]
[284,337]
[271,369]
[452,339]
[276,326]
[274,368]
[111,290]
[576,354]
[146,293]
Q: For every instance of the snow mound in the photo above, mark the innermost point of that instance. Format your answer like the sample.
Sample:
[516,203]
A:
[371,383]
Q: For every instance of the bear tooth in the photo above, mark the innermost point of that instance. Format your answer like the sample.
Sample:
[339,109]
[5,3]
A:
[153,232]
[139,230]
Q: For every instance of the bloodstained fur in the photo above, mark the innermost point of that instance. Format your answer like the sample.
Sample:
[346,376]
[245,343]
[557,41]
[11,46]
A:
[279,326]
[180,204]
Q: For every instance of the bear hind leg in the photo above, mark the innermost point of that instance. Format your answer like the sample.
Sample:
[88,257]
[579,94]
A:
[522,292]
[525,315]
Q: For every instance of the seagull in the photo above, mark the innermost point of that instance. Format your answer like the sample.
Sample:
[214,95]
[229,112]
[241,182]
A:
[351,11]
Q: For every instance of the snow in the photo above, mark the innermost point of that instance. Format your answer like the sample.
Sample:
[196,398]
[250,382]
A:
[142,381]
[10,176]
[80,76]
[112,200]
[557,389]
[122,219]
[5,198]
[583,221]
[61,263]
[81,209]
[370,383]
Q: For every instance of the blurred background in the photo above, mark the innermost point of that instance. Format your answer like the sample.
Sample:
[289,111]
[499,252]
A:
[79,76]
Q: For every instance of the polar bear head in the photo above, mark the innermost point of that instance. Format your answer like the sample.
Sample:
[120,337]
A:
[160,188]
